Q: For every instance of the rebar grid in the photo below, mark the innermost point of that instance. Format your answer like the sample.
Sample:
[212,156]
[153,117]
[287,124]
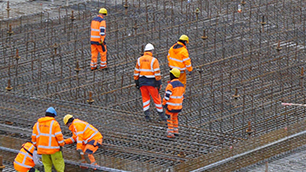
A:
[245,64]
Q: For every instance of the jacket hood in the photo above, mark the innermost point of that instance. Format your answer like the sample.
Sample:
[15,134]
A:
[178,47]
[46,118]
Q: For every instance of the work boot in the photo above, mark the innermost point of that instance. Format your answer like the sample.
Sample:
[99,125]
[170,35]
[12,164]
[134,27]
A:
[93,68]
[147,116]
[162,117]
[103,68]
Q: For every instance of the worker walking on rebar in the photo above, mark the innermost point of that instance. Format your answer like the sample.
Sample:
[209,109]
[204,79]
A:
[173,102]
[148,78]
[48,138]
[87,137]
[97,40]
[178,57]
[27,158]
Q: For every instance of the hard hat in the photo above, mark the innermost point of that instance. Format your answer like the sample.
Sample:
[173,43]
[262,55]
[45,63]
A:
[51,110]
[184,38]
[103,11]
[176,72]
[149,47]
[66,118]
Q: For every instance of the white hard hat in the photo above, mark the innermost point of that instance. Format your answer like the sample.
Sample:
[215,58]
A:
[149,47]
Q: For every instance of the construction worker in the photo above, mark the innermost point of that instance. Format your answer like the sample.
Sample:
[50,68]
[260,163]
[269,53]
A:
[27,158]
[147,77]
[173,101]
[178,57]
[87,137]
[97,40]
[48,138]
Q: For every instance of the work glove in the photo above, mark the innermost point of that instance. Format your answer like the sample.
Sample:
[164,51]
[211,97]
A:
[61,148]
[137,84]
[81,153]
[158,85]
[101,42]
[190,73]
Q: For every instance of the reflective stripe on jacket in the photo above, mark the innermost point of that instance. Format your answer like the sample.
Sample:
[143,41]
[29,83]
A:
[24,159]
[82,133]
[178,57]
[47,136]
[174,95]
[147,68]
[98,30]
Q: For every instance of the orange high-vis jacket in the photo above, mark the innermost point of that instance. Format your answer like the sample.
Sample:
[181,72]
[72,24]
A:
[47,136]
[98,30]
[82,133]
[147,66]
[178,57]
[174,96]
[24,159]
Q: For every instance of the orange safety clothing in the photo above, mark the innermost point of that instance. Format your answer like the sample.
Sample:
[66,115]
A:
[95,50]
[147,70]
[172,123]
[174,95]
[97,40]
[47,135]
[24,159]
[178,57]
[146,91]
[83,133]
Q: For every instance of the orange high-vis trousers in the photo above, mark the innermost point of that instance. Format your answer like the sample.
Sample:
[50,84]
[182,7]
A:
[146,91]
[95,49]
[90,148]
[172,122]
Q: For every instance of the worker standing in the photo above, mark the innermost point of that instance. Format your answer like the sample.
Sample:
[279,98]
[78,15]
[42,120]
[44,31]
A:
[97,40]
[178,57]
[148,78]
[48,138]
[173,102]
[87,137]
[27,158]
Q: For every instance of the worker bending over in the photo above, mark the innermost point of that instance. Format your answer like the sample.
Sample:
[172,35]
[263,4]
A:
[27,158]
[87,137]
[173,102]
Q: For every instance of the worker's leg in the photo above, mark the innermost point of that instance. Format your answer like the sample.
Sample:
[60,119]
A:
[145,101]
[47,161]
[170,133]
[103,52]
[175,123]
[182,78]
[94,56]
[156,98]
[58,161]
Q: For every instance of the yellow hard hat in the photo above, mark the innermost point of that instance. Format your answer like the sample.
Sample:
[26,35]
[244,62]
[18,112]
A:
[176,72]
[66,118]
[184,38]
[103,11]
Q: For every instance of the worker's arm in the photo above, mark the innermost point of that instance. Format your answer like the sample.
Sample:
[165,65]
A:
[58,134]
[71,139]
[167,95]
[102,29]
[136,70]
[34,134]
[36,159]
[187,60]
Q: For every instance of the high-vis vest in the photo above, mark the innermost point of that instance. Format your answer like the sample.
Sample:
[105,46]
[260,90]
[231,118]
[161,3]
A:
[174,96]
[82,133]
[178,57]
[98,30]
[47,136]
[148,67]
[24,159]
